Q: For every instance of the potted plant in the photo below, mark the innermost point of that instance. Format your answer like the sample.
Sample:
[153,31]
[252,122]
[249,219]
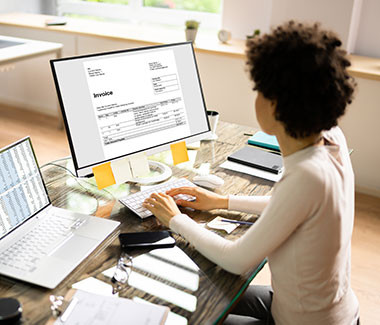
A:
[191,29]
[255,33]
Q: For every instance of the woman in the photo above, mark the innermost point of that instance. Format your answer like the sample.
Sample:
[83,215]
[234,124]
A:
[306,225]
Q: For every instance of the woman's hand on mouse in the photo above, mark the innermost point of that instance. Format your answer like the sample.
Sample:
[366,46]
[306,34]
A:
[162,206]
[204,199]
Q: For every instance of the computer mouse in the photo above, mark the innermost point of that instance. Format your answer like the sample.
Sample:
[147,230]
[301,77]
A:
[209,181]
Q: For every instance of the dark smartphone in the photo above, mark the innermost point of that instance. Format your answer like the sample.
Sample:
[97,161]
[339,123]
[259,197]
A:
[156,239]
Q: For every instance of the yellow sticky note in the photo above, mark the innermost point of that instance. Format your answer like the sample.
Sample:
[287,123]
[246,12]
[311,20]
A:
[179,152]
[103,175]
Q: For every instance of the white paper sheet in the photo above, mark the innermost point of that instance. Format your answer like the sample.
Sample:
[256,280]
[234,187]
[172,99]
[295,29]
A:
[93,285]
[139,165]
[251,171]
[121,170]
[173,318]
[101,310]
[218,224]
[194,145]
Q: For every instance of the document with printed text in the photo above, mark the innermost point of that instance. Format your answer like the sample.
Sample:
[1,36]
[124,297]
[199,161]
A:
[134,97]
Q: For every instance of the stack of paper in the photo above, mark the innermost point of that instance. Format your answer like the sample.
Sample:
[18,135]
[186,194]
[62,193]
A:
[96,309]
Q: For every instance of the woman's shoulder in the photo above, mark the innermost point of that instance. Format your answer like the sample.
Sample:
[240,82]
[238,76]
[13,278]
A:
[305,173]
[335,136]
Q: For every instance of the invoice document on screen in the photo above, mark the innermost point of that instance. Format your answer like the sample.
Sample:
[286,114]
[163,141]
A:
[134,97]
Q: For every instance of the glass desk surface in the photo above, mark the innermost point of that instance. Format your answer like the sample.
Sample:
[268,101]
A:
[4,44]
[196,290]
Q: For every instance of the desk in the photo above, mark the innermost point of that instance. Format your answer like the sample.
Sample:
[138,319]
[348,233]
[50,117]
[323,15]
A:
[25,49]
[14,49]
[217,288]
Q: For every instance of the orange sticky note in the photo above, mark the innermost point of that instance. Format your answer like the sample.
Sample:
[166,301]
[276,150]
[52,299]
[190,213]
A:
[179,152]
[103,175]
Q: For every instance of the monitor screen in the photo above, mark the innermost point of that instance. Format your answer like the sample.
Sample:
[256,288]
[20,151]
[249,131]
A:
[120,103]
[22,190]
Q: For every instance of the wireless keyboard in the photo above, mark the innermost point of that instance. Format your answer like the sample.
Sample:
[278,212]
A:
[135,201]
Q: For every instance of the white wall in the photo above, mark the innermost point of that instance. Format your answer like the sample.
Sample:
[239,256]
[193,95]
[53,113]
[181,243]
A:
[361,127]
[242,17]
[32,6]
[332,14]
[368,40]
[357,22]
[227,88]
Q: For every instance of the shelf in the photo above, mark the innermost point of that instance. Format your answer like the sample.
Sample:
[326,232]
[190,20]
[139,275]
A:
[363,67]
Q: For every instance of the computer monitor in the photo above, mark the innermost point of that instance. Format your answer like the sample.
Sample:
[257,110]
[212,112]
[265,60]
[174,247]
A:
[121,103]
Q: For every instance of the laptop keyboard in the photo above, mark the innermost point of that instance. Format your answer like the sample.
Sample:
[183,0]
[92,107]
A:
[40,241]
[135,201]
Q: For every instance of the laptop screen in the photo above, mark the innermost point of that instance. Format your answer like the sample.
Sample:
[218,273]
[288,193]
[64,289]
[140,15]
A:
[22,190]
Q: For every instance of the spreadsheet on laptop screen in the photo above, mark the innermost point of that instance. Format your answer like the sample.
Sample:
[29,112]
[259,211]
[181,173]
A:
[22,192]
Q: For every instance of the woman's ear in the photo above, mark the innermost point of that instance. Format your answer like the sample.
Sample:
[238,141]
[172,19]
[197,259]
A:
[273,105]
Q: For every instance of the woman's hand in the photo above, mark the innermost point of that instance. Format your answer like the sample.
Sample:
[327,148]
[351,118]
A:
[162,206]
[204,200]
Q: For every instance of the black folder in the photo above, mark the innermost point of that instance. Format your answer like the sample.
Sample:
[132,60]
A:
[258,158]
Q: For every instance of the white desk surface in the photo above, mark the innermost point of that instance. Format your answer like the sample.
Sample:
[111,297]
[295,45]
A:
[29,49]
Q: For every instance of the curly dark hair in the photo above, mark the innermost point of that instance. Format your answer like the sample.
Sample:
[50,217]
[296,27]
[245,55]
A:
[303,69]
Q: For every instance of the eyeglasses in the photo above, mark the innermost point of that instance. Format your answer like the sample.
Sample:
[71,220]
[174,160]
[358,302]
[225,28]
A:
[122,273]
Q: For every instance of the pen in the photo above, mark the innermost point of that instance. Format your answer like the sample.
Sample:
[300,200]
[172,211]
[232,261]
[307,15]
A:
[236,221]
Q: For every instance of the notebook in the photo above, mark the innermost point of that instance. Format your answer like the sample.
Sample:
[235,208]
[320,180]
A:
[261,139]
[257,158]
[39,243]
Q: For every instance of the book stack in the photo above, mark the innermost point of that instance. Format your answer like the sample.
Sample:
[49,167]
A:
[263,140]
[261,158]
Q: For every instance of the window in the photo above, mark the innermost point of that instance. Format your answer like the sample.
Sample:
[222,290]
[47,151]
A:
[212,6]
[171,12]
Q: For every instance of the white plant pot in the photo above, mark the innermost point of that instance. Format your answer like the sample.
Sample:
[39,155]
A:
[191,34]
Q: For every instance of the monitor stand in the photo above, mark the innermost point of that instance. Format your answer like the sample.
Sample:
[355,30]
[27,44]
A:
[159,172]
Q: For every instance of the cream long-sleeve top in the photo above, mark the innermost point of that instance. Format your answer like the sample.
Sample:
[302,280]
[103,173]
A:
[304,229]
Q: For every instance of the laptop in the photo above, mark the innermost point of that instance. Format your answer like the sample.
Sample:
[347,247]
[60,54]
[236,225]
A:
[39,243]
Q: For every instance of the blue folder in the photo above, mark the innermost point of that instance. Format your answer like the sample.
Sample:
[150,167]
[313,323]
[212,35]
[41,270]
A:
[263,140]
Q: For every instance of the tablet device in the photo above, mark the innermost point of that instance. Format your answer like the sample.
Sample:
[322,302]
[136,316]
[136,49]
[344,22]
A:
[258,158]
[157,239]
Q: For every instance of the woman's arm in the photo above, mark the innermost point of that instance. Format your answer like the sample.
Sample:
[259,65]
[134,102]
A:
[294,199]
[249,204]
[207,200]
